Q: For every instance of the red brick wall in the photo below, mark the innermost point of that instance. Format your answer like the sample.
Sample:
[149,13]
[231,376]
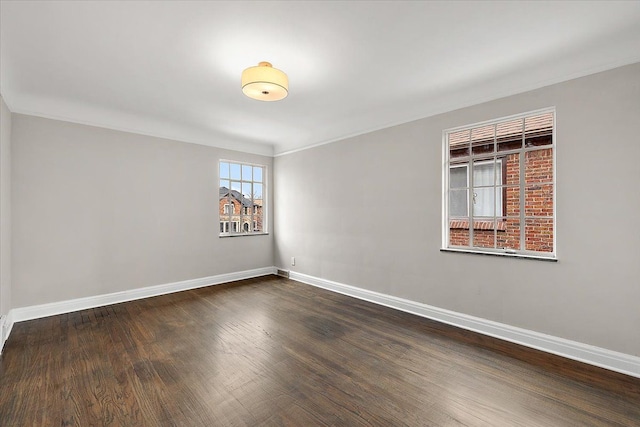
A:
[538,203]
[539,200]
[511,198]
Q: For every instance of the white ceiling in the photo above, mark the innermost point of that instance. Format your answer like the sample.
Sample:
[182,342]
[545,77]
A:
[172,69]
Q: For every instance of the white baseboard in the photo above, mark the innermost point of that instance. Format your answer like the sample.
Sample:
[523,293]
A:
[44,310]
[608,359]
[3,321]
[6,323]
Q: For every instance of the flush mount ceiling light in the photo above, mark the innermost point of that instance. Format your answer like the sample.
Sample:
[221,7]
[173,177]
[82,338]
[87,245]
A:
[265,83]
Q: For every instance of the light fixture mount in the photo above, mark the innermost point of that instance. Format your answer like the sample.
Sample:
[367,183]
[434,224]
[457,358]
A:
[265,83]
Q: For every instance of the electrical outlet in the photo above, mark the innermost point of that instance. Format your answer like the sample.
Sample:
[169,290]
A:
[293,260]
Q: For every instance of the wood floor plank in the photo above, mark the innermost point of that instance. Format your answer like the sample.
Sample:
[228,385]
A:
[272,352]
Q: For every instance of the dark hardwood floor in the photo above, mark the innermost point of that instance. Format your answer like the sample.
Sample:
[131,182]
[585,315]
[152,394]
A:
[270,352]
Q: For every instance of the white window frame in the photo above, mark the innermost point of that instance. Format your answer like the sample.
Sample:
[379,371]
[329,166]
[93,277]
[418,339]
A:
[498,167]
[237,228]
[522,252]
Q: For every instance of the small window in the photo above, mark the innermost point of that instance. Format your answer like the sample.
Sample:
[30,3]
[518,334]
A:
[499,182]
[243,185]
[486,201]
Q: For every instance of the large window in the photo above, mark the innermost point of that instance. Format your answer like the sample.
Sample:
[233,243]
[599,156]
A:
[241,198]
[500,186]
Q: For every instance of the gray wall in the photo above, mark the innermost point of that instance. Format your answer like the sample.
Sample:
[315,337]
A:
[366,212]
[5,208]
[97,211]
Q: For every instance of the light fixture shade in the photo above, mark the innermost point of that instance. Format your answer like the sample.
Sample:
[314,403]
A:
[265,83]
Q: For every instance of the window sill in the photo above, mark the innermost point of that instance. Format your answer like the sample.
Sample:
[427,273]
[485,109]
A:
[550,258]
[243,234]
[477,225]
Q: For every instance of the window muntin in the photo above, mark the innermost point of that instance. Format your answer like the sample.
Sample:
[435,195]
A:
[505,170]
[241,184]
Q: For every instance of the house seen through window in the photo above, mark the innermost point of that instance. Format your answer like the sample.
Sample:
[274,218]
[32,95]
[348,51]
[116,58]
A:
[241,198]
[500,186]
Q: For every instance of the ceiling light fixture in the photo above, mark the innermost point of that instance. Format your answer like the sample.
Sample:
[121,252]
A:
[265,83]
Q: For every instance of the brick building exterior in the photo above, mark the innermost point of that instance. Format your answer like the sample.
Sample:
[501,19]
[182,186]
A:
[238,213]
[538,194]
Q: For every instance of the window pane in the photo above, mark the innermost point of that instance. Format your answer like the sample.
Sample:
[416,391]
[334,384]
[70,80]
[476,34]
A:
[484,202]
[235,171]
[458,200]
[509,135]
[511,201]
[484,173]
[258,223]
[257,174]
[458,177]
[224,170]
[539,235]
[246,189]
[512,162]
[458,143]
[459,232]
[538,166]
[508,233]
[247,174]
[224,183]
[538,200]
[538,130]
[257,191]
[482,139]
[483,234]
[236,186]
